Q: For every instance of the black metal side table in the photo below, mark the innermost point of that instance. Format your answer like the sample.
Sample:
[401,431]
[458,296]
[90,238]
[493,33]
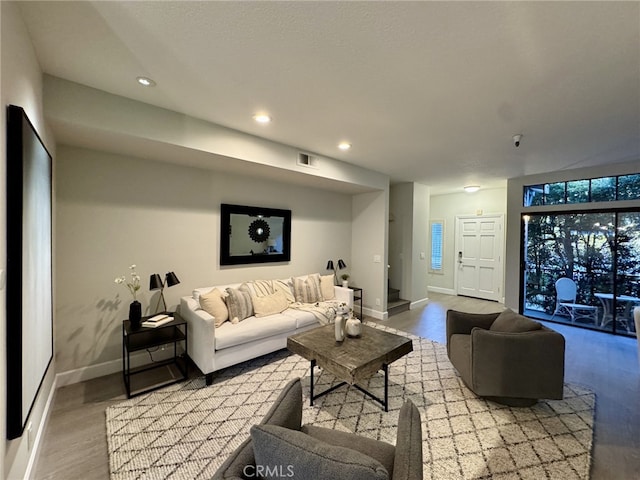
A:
[146,338]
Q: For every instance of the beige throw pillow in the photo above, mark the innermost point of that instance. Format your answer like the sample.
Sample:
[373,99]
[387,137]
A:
[285,287]
[270,304]
[326,285]
[213,303]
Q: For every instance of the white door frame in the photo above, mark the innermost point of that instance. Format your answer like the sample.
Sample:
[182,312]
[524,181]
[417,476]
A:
[457,249]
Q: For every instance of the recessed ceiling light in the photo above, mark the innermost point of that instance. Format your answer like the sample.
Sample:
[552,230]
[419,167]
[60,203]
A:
[146,82]
[471,188]
[262,118]
[344,146]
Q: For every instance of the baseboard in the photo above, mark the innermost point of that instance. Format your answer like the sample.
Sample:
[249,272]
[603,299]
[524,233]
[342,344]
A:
[377,314]
[107,368]
[43,424]
[419,303]
[444,291]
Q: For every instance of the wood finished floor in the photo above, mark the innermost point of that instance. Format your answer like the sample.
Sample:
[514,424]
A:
[74,445]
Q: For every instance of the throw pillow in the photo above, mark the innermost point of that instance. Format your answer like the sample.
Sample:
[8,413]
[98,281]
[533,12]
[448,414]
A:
[285,287]
[280,451]
[259,288]
[239,304]
[307,290]
[326,285]
[270,304]
[213,304]
[511,322]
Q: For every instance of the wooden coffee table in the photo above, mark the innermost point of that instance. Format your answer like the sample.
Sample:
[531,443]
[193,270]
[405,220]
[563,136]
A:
[352,360]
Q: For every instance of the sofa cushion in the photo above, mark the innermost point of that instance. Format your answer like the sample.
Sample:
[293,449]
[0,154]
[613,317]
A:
[383,452]
[307,290]
[303,317]
[293,453]
[327,287]
[269,304]
[239,303]
[213,303]
[511,322]
[252,329]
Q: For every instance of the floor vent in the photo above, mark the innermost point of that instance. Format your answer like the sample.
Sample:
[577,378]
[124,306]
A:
[306,160]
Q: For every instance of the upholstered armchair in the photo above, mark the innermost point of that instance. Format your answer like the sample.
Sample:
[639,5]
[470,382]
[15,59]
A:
[506,357]
[281,447]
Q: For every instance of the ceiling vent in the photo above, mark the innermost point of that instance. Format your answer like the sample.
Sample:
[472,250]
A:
[306,160]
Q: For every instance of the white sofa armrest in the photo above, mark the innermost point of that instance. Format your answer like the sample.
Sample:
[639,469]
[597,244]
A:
[344,295]
[202,337]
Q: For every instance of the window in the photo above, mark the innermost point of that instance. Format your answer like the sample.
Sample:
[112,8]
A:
[603,189]
[599,251]
[437,241]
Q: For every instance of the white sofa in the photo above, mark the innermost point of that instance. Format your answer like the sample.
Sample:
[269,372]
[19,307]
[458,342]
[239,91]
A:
[213,348]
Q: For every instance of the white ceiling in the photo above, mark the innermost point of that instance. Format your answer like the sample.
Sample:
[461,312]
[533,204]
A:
[431,92]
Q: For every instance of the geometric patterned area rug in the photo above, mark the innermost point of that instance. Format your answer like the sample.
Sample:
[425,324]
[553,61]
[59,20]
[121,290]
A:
[186,431]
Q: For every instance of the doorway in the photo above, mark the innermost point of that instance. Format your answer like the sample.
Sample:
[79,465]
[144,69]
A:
[478,250]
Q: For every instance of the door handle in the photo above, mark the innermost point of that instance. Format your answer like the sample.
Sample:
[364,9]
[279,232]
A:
[459,257]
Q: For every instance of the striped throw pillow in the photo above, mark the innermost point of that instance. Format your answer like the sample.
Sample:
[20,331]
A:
[307,290]
[239,303]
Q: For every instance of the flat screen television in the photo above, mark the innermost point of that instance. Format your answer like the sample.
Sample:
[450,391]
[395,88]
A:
[29,304]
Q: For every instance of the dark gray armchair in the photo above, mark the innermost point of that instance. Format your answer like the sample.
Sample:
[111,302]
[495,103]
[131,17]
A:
[281,447]
[506,357]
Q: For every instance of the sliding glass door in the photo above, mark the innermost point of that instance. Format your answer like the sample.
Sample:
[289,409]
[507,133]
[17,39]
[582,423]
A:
[582,268]
[627,270]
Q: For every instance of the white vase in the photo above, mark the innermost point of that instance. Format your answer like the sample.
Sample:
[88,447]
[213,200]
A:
[353,327]
[339,328]
[345,283]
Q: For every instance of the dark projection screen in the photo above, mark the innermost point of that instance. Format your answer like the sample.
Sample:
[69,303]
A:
[29,268]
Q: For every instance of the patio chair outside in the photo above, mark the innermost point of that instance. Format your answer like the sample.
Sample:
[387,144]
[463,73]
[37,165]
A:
[566,293]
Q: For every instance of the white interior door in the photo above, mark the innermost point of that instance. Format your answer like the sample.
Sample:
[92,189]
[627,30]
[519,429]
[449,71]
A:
[479,243]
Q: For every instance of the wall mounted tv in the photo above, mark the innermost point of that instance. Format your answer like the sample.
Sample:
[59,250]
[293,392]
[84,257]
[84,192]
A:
[29,304]
[254,235]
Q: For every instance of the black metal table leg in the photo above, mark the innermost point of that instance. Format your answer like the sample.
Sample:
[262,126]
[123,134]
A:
[385,367]
[313,364]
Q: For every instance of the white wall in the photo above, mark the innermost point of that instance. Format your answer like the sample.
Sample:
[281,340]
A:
[370,221]
[420,238]
[21,84]
[400,237]
[446,207]
[408,237]
[113,211]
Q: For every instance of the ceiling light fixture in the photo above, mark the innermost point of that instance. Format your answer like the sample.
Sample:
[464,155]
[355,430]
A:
[262,118]
[146,82]
[471,188]
[344,146]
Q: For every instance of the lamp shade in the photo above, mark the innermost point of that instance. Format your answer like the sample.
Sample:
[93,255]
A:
[341,264]
[172,279]
[155,282]
[330,265]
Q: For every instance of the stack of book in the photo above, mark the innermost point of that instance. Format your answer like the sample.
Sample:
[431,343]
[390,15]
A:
[156,321]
